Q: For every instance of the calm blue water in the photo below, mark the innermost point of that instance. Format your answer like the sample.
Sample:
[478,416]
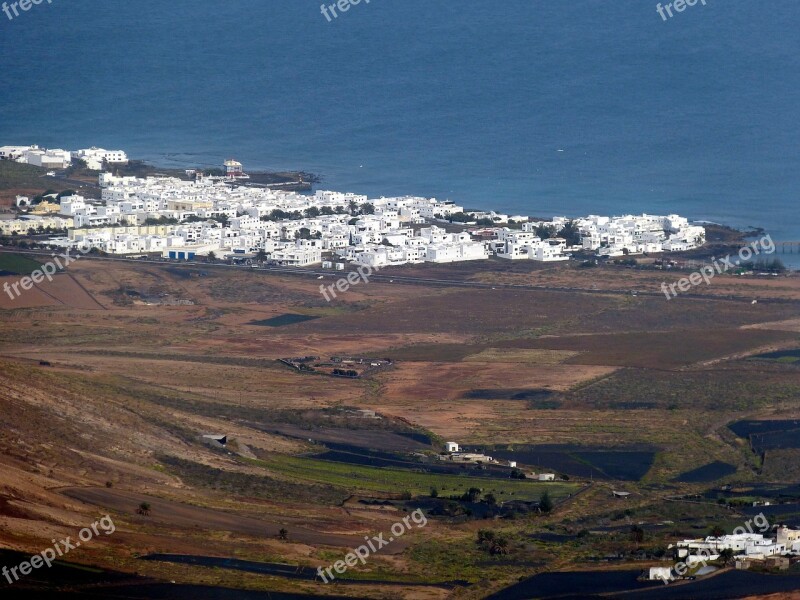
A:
[463,99]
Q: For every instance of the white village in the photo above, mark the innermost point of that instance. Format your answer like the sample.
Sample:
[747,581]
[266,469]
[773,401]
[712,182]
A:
[222,217]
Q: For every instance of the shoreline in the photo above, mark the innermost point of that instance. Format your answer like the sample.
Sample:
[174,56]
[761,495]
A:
[723,239]
[756,229]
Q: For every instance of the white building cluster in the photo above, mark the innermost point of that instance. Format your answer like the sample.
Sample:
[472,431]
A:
[24,224]
[95,157]
[634,234]
[515,245]
[207,215]
[61,159]
[752,546]
[184,219]
[746,548]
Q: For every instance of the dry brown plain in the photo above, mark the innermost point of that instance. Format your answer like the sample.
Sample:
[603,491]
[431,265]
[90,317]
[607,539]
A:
[131,384]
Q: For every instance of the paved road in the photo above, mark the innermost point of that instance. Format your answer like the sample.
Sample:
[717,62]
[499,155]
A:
[77,182]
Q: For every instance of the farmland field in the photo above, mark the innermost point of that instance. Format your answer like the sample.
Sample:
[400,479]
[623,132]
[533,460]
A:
[619,464]
[391,480]
[281,320]
[614,392]
[16,264]
[707,473]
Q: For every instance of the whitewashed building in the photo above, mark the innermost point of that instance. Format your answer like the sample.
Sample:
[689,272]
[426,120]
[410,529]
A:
[95,157]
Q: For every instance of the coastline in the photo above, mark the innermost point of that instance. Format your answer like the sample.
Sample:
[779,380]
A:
[790,260]
[725,239]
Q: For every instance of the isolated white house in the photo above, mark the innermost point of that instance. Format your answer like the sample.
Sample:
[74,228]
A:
[660,574]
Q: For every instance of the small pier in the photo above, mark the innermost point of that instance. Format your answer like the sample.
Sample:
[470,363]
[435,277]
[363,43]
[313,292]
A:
[787,247]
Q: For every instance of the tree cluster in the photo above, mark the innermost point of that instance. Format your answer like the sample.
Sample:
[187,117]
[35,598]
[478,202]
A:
[493,543]
[345,372]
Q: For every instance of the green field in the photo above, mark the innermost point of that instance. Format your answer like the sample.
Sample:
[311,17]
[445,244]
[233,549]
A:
[18,175]
[359,478]
[15,263]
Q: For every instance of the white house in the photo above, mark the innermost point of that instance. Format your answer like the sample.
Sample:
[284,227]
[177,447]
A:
[14,152]
[297,256]
[75,205]
[788,537]
[661,574]
[48,159]
[525,245]
[94,157]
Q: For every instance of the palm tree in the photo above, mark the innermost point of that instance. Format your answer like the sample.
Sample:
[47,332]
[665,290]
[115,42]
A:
[261,256]
[283,535]
[499,546]
[211,257]
[492,543]
[726,555]
[144,509]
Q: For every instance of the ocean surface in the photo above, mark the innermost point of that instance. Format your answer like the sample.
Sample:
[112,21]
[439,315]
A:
[525,106]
